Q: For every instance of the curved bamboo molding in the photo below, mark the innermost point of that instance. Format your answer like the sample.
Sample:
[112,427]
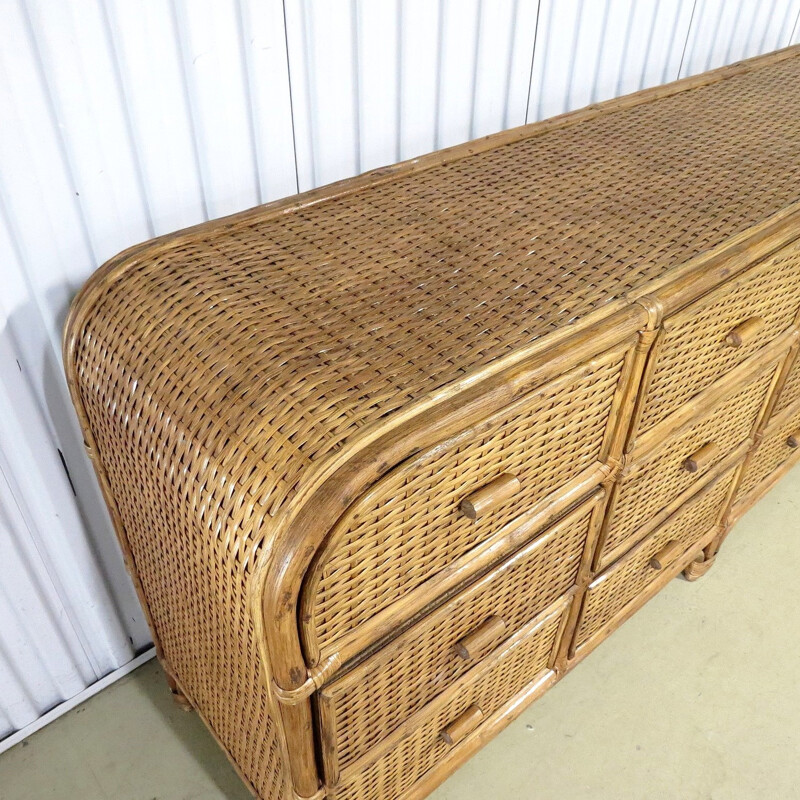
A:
[297,527]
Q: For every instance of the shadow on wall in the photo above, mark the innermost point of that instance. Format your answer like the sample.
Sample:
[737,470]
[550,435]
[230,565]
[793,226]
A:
[53,483]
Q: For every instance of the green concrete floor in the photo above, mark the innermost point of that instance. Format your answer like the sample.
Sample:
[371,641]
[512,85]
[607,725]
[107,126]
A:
[696,697]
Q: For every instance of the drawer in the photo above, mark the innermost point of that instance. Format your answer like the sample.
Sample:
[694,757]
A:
[710,337]
[442,504]
[371,700]
[779,447]
[432,736]
[623,586]
[680,462]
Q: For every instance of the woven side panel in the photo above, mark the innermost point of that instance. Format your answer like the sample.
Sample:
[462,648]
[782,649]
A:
[544,440]
[189,549]
[790,393]
[612,591]
[396,771]
[770,455]
[403,677]
[695,353]
[664,478]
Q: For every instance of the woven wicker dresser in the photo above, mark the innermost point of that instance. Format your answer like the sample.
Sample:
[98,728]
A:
[387,459]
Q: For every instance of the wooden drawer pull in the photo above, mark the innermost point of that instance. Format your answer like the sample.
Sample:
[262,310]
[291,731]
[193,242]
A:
[745,332]
[793,441]
[702,459]
[479,641]
[462,726]
[666,555]
[490,496]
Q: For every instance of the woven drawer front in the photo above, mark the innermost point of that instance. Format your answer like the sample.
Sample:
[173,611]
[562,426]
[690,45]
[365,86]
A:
[370,701]
[790,394]
[410,526]
[527,661]
[665,472]
[610,593]
[776,448]
[720,331]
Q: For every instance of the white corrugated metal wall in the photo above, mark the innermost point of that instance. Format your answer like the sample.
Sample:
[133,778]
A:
[124,119]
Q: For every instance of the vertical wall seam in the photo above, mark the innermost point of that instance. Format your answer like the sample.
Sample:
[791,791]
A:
[686,41]
[476,50]
[795,28]
[399,128]
[437,132]
[356,78]
[512,42]
[291,95]
[576,35]
[533,57]
[650,36]
[601,48]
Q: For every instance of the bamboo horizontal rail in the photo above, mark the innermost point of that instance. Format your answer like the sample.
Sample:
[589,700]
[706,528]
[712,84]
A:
[388,459]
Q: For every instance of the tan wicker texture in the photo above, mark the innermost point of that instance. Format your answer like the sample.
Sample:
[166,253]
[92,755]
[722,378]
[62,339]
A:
[694,350]
[664,476]
[497,681]
[340,433]
[413,669]
[544,441]
[371,299]
[790,394]
[621,584]
[775,450]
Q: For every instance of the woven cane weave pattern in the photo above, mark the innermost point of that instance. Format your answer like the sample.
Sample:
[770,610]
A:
[195,581]
[695,352]
[216,370]
[544,441]
[416,754]
[790,394]
[412,670]
[628,578]
[770,455]
[370,300]
[664,477]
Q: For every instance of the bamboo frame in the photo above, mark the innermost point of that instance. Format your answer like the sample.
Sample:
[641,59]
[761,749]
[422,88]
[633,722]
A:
[303,532]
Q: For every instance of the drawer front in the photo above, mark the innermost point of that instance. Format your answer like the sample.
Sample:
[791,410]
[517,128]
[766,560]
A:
[370,701]
[790,394]
[781,444]
[434,734]
[610,594]
[679,463]
[719,331]
[437,506]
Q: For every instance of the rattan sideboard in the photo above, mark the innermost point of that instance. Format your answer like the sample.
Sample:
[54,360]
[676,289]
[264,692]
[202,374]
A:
[386,460]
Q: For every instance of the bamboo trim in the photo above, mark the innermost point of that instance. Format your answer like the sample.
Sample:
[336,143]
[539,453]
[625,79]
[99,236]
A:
[605,561]
[127,259]
[748,501]
[334,482]
[470,566]
[771,357]
[556,609]
[741,505]
[652,590]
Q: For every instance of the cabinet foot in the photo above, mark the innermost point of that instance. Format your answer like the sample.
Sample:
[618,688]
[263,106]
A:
[181,700]
[698,568]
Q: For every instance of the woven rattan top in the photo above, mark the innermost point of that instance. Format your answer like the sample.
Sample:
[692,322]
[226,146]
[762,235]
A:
[263,343]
